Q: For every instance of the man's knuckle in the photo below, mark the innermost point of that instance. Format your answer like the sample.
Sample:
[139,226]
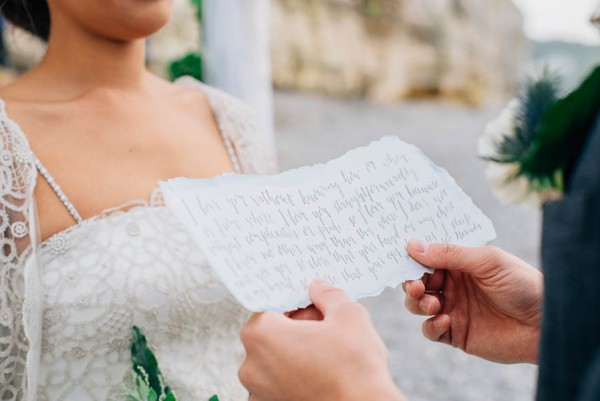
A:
[333,292]
[492,250]
[491,256]
[448,251]
[244,374]
[248,334]
[245,332]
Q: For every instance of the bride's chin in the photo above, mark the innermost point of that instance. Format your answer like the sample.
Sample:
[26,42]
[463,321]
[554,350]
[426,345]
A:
[125,20]
[132,29]
[148,18]
[141,30]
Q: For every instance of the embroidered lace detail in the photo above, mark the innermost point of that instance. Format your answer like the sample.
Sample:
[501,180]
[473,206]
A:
[19,333]
[135,267]
[134,264]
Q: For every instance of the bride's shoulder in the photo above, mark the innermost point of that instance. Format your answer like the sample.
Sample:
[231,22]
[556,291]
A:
[192,94]
[235,120]
[217,99]
[10,132]
[17,163]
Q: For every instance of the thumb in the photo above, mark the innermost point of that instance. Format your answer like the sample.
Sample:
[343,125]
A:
[327,299]
[472,260]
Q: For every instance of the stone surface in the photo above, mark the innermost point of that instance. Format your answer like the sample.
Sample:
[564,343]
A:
[380,49]
[390,49]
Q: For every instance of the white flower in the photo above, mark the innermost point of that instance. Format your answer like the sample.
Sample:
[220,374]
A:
[511,187]
[503,126]
[508,184]
[182,35]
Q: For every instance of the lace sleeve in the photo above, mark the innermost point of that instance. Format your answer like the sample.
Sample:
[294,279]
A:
[20,315]
[238,124]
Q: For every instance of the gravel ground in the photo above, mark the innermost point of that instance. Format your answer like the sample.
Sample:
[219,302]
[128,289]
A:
[314,129]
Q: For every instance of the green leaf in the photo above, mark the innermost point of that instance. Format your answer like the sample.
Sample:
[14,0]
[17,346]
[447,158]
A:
[144,363]
[152,396]
[562,133]
[198,6]
[190,64]
[373,10]
[147,379]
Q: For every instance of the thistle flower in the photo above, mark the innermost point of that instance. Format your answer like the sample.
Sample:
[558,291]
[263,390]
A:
[510,139]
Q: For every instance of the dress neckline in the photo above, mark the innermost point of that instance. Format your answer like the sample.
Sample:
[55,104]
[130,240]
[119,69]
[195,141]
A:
[155,199]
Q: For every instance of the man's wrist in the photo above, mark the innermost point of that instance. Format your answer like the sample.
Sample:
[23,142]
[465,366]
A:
[534,346]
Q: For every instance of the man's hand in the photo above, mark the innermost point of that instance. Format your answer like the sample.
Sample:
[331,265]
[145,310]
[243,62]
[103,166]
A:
[340,357]
[483,300]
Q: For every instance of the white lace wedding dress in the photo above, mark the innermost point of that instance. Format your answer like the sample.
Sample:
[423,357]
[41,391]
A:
[67,305]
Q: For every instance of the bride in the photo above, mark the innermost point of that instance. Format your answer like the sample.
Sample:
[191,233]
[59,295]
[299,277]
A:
[87,248]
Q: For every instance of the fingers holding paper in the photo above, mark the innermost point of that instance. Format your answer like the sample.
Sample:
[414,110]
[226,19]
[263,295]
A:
[338,357]
[481,299]
[425,297]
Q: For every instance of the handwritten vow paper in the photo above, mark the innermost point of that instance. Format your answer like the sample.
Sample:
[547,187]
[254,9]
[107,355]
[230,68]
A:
[346,221]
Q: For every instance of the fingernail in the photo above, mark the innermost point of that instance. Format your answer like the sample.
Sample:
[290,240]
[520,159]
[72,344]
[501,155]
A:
[438,323]
[408,285]
[425,305]
[320,282]
[418,245]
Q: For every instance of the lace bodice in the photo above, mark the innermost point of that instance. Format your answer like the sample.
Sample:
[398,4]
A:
[68,304]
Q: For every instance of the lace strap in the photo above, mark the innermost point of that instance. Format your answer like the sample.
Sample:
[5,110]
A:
[235,161]
[236,123]
[58,190]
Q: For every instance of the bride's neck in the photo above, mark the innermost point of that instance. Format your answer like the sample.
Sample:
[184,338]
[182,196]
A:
[79,61]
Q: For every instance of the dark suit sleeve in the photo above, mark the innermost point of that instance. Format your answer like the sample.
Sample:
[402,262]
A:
[590,390]
[570,347]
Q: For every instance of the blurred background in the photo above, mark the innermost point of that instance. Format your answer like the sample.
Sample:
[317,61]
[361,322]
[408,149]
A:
[325,76]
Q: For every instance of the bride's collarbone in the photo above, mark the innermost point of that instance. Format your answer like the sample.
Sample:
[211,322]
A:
[105,157]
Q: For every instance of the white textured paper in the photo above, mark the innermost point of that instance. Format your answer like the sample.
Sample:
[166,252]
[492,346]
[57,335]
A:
[346,221]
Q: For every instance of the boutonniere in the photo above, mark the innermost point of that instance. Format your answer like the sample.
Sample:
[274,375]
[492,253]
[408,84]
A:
[148,383]
[533,145]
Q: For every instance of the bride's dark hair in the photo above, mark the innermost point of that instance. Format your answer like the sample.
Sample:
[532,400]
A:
[31,15]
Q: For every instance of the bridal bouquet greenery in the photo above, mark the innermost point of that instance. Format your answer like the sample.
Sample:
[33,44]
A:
[533,145]
[147,381]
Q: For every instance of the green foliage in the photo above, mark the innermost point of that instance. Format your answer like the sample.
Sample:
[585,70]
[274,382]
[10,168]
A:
[561,134]
[372,9]
[145,366]
[550,132]
[198,6]
[140,390]
[190,64]
[148,383]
